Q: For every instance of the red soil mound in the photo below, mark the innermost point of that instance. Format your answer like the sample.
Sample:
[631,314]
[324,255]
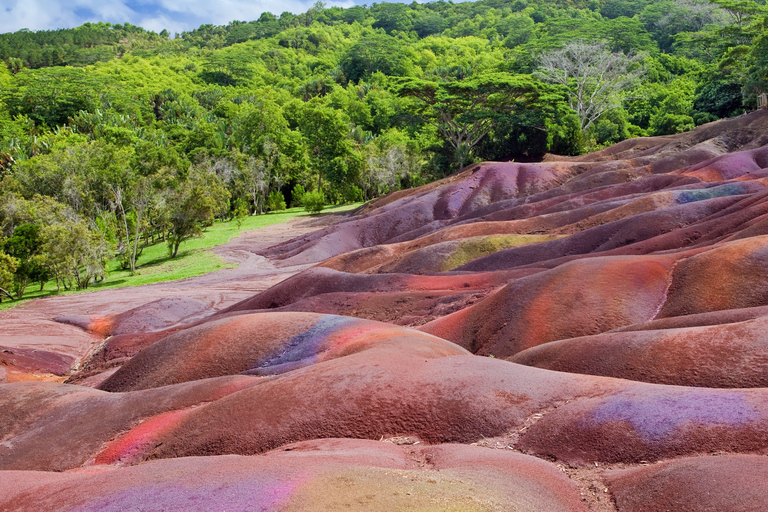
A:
[477,187]
[727,483]
[54,427]
[157,315]
[381,392]
[730,276]
[639,305]
[583,297]
[31,360]
[733,355]
[263,344]
[397,298]
[325,475]
[649,423]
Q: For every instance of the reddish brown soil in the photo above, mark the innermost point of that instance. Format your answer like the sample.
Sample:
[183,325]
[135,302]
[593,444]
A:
[619,364]
[71,327]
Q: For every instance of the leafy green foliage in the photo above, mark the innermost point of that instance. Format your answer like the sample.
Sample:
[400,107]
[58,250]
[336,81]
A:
[375,53]
[466,110]
[7,271]
[75,254]
[193,206]
[297,195]
[314,201]
[80,46]
[50,98]
[275,201]
[25,245]
[332,154]
[720,97]
[115,140]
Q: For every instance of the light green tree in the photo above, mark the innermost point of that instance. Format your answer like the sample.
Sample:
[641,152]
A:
[333,154]
[7,271]
[192,206]
[75,255]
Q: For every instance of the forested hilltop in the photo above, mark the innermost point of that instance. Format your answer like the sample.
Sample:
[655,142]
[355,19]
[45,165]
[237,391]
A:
[112,136]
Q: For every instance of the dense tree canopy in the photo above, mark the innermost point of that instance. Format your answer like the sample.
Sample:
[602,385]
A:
[112,137]
[466,110]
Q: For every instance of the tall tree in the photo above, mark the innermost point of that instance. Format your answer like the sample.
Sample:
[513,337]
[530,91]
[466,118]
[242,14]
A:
[24,245]
[466,110]
[132,208]
[326,130]
[74,253]
[378,52]
[51,96]
[594,76]
[192,206]
[7,271]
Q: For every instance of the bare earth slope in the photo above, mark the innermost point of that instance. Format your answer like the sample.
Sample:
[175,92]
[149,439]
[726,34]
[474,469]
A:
[578,334]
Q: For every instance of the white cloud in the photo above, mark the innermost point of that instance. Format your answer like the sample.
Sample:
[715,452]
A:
[224,11]
[106,10]
[173,15]
[33,14]
[158,23]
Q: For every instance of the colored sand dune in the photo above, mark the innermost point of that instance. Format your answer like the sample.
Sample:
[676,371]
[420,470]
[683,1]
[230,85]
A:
[580,334]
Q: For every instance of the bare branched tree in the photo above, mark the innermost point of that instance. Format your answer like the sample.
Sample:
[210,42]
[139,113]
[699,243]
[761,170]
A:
[136,206]
[594,75]
[694,15]
[257,182]
[385,168]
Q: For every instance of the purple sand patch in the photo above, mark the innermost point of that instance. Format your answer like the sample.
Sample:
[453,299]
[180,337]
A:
[254,494]
[655,418]
[300,350]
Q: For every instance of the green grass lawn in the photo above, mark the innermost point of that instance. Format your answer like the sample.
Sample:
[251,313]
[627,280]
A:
[193,259]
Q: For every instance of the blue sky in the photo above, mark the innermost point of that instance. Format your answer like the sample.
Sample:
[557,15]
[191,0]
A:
[173,15]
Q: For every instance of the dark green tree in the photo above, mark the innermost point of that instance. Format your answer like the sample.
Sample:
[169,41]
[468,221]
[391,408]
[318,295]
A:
[333,154]
[25,245]
[466,110]
[7,273]
[392,16]
[378,52]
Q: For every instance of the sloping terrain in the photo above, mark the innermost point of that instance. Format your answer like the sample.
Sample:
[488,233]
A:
[576,334]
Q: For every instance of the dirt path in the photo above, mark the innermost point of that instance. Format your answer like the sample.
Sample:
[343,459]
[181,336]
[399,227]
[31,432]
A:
[29,336]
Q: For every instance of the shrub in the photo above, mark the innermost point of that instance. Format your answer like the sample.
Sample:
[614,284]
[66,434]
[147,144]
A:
[352,194]
[240,212]
[297,195]
[8,266]
[313,201]
[275,201]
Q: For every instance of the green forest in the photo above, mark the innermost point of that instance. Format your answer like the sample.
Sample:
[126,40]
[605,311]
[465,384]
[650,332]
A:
[113,138]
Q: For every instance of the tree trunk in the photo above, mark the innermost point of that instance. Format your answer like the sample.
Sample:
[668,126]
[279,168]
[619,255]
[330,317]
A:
[78,281]
[256,204]
[136,238]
